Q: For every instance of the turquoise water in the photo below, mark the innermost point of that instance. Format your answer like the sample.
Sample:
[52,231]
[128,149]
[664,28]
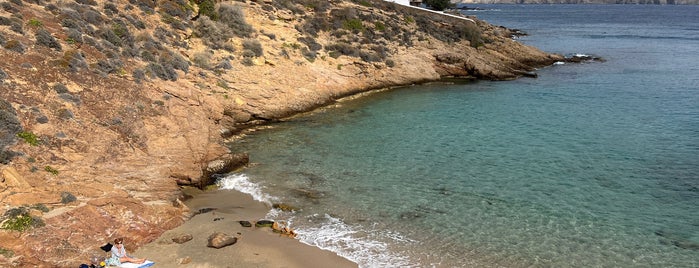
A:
[589,165]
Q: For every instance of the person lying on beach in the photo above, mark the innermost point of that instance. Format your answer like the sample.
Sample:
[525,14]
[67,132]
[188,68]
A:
[119,255]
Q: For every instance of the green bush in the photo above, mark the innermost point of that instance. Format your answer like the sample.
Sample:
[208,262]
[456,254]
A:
[354,25]
[51,170]
[34,23]
[19,223]
[176,8]
[6,252]
[379,26]
[29,138]
[208,8]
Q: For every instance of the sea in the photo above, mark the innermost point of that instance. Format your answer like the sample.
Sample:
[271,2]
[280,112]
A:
[593,164]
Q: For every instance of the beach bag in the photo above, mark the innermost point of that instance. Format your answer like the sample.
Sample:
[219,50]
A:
[107,247]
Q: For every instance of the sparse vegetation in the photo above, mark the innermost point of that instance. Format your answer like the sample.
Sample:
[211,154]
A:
[202,60]
[247,61]
[208,8]
[73,60]
[16,27]
[233,17]
[67,197]
[51,170]
[29,137]
[214,35]
[20,223]
[254,46]
[6,253]
[44,38]
[35,23]
[19,219]
[60,88]
[354,25]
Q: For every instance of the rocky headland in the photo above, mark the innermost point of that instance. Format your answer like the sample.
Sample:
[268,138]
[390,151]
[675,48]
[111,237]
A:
[108,109]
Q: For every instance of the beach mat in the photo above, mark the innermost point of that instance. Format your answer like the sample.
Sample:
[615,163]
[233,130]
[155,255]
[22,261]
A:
[136,265]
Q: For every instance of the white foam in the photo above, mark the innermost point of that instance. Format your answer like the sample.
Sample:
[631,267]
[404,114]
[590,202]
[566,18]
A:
[559,63]
[241,183]
[580,55]
[331,233]
[356,245]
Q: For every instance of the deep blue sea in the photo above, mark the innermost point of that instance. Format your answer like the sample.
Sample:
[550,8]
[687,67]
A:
[588,165]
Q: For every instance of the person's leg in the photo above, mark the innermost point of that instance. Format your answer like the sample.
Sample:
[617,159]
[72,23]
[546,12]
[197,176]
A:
[133,260]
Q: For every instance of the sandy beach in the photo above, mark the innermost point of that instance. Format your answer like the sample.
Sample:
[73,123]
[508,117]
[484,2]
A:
[256,247]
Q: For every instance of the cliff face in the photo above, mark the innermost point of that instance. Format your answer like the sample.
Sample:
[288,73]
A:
[109,107]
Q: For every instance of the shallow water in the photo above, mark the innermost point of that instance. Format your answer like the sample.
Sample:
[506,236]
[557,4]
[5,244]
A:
[593,164]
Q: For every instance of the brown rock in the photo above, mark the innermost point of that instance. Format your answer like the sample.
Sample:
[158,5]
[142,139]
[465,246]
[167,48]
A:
[219,240]
[182,238]
[224,164]
[184,260]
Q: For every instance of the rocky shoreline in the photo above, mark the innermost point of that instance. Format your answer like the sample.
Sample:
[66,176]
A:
[102,154]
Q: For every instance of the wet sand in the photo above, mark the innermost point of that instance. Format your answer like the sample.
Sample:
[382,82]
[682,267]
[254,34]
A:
[256,247]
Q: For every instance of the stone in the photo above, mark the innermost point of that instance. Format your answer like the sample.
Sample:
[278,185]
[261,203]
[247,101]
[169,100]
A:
[184,260]
[182,238]
[264,223]
[284,207]
[223,165]
[245,223]
[220,240]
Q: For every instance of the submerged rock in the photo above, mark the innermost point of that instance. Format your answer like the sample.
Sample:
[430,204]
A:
[284,207]
[264,223]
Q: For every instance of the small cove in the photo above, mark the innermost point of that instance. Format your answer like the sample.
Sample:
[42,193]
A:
[592,164]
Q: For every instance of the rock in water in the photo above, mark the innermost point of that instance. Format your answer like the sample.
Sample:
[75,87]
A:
[264,223]
[219,240]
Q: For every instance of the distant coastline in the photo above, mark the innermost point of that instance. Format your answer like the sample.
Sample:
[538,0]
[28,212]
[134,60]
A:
[617,2]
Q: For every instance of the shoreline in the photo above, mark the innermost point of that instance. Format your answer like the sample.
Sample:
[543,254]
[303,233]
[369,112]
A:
[129,146]
[256,246]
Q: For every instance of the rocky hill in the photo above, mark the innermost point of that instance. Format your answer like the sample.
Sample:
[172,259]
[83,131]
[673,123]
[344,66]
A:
[109,108]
